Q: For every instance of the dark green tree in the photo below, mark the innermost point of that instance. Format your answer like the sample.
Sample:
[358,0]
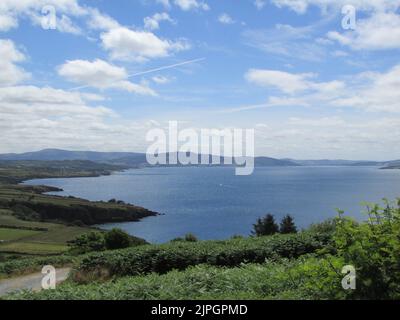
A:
[93,241]
[288,225]
[265,226]
[190,237]
[117,239]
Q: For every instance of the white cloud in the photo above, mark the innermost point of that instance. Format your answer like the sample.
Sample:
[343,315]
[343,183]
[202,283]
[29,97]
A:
[301,6]
[377,92]
[161,79]
[102,75]
[371,91]
[288,41]
[187,5]
[44,99]
[225,18]
[101,21]
[11,11]
[153,22]
[332,137]
[34,118]
[130,45]
[165,3]
[381,31]
[284,81]
[9,55]
[7,22]
[290,83]
[260,4]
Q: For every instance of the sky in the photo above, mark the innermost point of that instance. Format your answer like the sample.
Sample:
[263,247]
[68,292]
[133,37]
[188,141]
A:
[103,73]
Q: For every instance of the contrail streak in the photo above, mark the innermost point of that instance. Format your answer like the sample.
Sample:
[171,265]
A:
[166,67]
[151,71]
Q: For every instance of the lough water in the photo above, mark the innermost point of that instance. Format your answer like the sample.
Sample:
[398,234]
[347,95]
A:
[213,203]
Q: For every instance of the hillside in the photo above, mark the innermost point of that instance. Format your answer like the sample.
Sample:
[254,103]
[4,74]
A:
[126,159]
[307,265]
[135,160]
[33,223]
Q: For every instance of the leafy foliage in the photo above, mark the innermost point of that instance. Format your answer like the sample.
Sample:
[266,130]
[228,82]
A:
[180,255]
[266,226]
[287,225]
[117,239]
[304,278]
[101,241]
[373,248]
[33,264]
[89,242]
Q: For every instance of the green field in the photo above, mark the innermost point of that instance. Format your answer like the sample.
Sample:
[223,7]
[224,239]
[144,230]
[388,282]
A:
[15,234]
[18,236]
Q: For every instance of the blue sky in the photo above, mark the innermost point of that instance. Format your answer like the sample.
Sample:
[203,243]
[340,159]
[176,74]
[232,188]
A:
[286,68]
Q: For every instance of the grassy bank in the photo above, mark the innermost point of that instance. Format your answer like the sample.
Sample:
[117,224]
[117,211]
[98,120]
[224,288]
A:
[34,223]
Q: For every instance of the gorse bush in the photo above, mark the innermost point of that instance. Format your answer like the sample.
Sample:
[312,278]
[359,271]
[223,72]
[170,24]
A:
[180,255]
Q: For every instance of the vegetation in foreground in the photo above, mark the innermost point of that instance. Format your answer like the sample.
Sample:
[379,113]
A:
[281,269]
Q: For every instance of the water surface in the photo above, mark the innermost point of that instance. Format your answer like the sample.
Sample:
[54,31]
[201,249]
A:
[213,203]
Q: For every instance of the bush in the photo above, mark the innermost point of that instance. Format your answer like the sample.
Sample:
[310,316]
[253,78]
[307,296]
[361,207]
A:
[307,278]
[117,239]
[180,255]
[89,242]
[26,265]
[373,248]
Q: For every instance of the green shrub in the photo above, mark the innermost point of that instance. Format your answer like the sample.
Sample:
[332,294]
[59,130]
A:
[27,265]
[117,239]
[180,255]
[89,242]
[305,278]
[373,248]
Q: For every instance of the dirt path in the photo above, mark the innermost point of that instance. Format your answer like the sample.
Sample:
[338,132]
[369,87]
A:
[30,282]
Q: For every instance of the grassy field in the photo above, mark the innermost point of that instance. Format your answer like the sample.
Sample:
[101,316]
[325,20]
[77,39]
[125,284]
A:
[17,236]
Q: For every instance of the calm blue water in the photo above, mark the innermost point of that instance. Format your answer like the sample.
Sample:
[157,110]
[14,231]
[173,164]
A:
[213,203]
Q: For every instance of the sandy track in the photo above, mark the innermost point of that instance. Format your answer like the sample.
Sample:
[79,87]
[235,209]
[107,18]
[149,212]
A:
[30,282]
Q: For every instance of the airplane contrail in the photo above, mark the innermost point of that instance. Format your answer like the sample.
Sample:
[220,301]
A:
[166,67]
[151,71]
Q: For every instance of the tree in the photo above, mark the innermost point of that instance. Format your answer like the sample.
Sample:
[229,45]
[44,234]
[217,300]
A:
[117,239]
[288,225]
[265,226]
[93,241]
[190,237]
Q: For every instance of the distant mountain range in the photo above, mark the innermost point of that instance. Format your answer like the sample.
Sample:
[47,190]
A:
[132,159]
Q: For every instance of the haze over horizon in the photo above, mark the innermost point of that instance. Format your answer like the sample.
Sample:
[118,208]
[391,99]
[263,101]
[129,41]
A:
[108,74]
